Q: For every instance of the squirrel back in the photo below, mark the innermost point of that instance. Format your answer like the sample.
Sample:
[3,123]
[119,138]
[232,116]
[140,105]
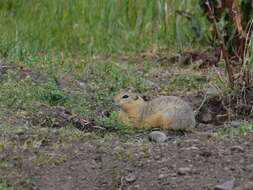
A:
[168,112]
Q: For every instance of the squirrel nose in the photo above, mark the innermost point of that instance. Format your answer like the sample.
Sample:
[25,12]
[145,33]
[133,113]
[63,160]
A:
[116,103]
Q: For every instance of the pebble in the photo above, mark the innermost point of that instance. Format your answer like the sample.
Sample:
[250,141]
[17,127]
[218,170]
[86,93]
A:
[157,136]
[228,185]
[173,174]
[237,149]
[130,178]
[212,92]
[184,170]
[161,176]
[235,124]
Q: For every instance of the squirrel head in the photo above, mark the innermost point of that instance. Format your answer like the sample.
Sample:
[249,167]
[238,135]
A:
[128,101]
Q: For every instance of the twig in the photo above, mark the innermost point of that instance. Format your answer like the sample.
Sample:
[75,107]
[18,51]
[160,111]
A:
[223,46]
[196,112]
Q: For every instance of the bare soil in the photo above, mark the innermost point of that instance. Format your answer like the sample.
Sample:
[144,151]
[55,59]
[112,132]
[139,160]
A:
[116,162]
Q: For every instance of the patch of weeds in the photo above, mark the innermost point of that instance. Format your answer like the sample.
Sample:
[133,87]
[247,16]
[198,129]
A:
[49,159]
[103,81]
[23,93]
[70,134]
[3,185]
[51,93]
[231,132]
[195,82]
[220,83]
[83,104]
[114,76]
[120,153]
[112,123]
[6,165]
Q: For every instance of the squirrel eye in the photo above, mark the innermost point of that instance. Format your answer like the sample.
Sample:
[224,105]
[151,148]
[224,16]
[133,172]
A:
[125,96]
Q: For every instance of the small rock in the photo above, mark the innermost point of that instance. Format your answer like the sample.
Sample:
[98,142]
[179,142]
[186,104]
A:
[237,149]
[161,176]
[212,92]
[173,174]
[130,178]
[228,185]
[157,136]
[245,186]
[191,148]
[157,157]
[184,170]
[235,124]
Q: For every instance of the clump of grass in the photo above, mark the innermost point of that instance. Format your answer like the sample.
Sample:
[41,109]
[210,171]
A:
[4,186]
[112,123]
[194,82]
[231,132]
[23,93]
[103,80]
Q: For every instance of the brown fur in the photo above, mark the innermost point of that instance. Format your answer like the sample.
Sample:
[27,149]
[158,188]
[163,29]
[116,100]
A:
[156,120]
[167,112]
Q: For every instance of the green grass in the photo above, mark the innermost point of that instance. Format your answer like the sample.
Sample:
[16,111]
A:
[112,123]
[92,26]
[101,81]
[3,186]
[61,37]
[190,81]
[18,94]
[249,56]
[231,132]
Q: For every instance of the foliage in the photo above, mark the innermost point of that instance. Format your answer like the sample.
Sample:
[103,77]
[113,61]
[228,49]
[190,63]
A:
[232,28]
[112,123]
[91,26]
[3,186]
[230,132]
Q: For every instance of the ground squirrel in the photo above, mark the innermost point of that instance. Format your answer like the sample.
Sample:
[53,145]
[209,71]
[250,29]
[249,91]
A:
[166,112]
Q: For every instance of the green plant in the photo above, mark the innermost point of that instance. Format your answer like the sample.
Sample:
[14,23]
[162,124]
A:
[3,185]
[95,26]
[112,123]
[232,32]
[187,81]
[231,132]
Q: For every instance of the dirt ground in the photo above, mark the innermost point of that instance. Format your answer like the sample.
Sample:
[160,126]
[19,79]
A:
[189,162]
